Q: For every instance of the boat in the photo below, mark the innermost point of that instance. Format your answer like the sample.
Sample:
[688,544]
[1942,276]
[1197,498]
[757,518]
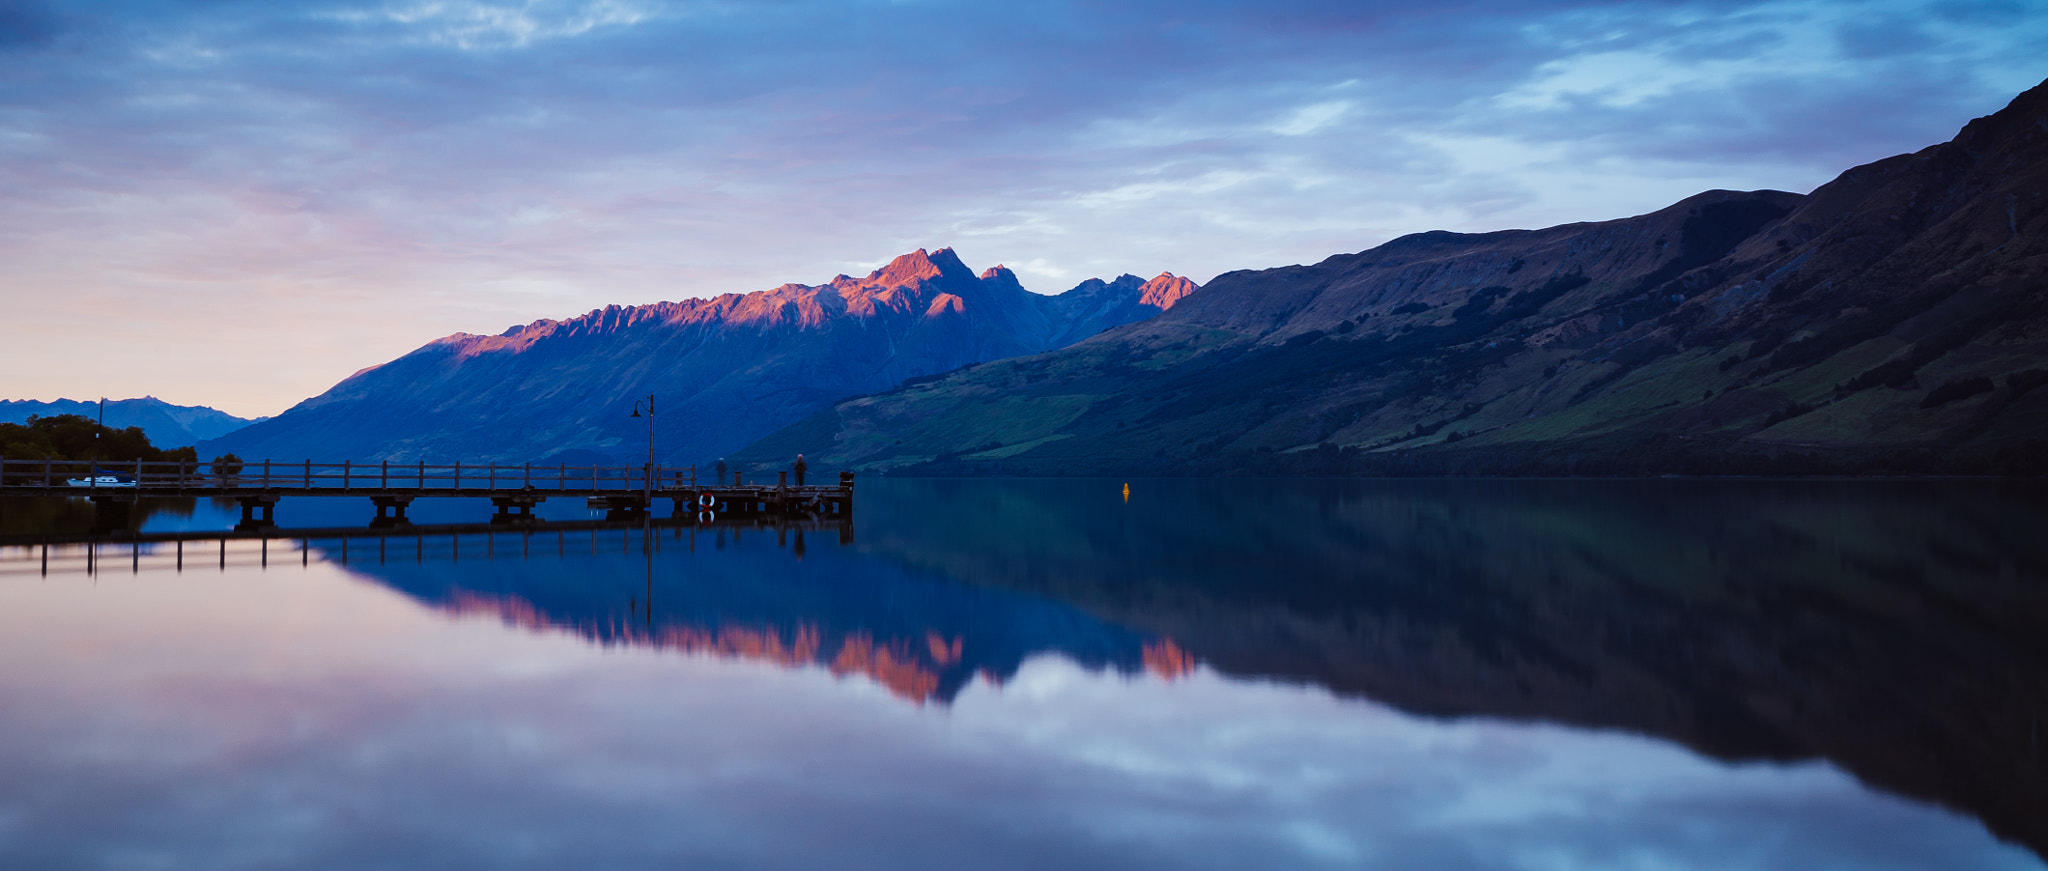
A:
[102,480]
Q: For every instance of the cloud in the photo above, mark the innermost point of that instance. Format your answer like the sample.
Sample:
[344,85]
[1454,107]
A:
[382,735]
[480,26]
[339,169]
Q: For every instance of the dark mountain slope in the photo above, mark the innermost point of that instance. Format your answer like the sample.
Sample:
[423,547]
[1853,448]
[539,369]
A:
[1896,318]
[726,370]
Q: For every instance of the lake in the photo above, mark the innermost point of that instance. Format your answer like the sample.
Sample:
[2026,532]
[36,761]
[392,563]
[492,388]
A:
[1000,674]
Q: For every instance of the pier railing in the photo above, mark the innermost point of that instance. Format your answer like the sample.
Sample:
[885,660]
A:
[270,475]
[514,491]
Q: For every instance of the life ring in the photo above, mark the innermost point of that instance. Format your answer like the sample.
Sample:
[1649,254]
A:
[706,501]
[706,516]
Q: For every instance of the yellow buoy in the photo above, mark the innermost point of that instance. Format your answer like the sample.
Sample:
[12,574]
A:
[1127,492]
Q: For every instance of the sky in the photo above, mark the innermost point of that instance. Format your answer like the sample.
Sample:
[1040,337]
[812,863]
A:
[238,204]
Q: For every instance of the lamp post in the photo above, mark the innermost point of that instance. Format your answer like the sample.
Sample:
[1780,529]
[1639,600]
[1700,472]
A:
[647,474]
[93,474]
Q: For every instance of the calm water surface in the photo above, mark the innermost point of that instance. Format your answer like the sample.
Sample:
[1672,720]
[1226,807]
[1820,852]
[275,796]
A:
[1041,674]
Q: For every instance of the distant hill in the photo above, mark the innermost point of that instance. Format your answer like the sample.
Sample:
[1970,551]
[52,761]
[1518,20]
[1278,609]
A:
[1895,319]
[166,425]
[725,371]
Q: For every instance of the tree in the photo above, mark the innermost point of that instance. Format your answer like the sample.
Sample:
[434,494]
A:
[226,466]
[75,437]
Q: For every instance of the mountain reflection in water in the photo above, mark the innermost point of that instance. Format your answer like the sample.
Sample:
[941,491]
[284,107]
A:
[1898,629]
[921,637]
[1892,628]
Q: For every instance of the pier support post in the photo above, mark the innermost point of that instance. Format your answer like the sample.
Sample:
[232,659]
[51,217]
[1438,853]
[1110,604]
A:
[627,507]
[396,506]
[258,512]
[516,508]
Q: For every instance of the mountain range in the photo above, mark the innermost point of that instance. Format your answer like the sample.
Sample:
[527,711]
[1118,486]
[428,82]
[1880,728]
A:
[167,425]
[724,371]
[1894,319]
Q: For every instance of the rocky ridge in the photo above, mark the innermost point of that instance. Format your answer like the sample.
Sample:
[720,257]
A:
[725,370]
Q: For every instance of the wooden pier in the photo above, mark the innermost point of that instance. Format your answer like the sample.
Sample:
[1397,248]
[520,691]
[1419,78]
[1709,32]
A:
[623,492]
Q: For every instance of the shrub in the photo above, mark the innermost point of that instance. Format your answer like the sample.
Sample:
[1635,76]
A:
[1482,299]
[1787,413]
[226,466]
[1529,302]
[1766,343]
[1891,373]
[1953,390]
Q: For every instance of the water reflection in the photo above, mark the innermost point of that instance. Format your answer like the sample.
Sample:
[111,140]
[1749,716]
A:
[759,592]
[745,594]
[1894,628]
[1552,644]
[76,516]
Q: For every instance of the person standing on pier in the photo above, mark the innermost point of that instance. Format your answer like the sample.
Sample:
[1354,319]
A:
[800,467]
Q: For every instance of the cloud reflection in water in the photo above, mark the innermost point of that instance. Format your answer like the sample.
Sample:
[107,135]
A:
[324,718]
